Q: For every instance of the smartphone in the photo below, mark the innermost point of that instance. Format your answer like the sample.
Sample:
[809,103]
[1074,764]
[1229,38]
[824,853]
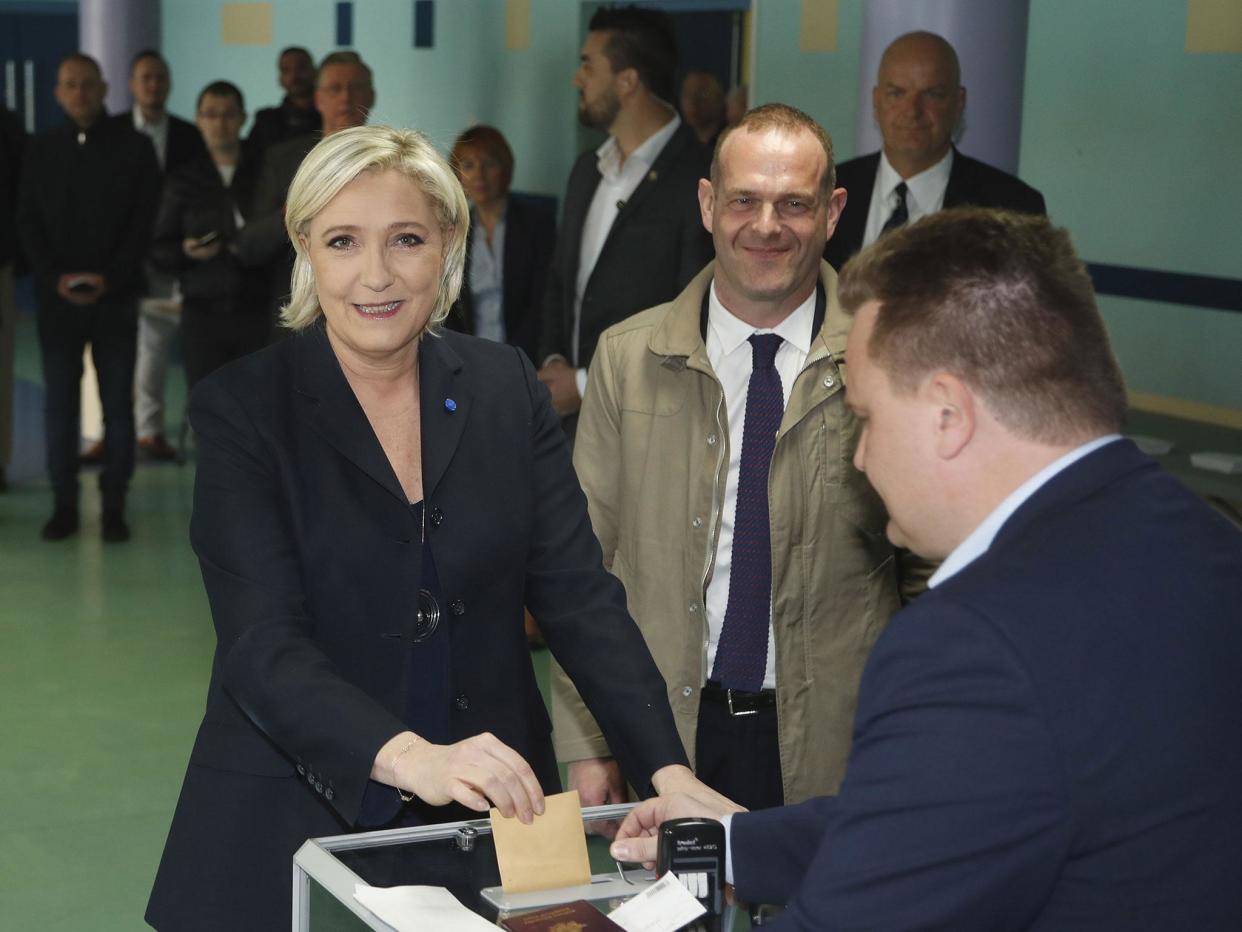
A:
[207,239]
[82,286]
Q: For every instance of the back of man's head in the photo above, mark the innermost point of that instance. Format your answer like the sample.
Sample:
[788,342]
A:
[1001,301]
[641,39]
[785,119]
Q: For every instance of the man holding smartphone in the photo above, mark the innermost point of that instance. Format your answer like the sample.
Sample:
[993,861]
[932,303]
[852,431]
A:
[87,199]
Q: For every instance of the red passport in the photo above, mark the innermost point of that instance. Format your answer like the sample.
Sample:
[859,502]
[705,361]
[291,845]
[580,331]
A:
[578,916]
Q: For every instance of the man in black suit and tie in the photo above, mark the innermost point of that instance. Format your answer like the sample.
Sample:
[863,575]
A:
[918,101]
[1050,737]
[631,235]
[177,142]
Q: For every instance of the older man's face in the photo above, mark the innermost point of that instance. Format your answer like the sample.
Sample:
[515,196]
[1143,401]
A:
[344,96]
[768,217]
[917,102]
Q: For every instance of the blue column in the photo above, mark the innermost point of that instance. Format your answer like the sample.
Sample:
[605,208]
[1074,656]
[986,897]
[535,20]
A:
[111,32]
[990,39]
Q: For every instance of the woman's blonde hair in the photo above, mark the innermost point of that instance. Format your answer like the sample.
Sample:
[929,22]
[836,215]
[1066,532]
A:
[339,159]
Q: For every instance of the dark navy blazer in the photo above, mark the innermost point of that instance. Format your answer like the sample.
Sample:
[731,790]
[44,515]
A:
[304,538]
[1051,739]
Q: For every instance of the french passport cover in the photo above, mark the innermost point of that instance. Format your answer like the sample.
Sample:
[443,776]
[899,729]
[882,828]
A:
[578,916]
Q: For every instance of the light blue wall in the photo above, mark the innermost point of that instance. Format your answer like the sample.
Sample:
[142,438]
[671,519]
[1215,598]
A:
[1133,142]
[823,84]
[467,77]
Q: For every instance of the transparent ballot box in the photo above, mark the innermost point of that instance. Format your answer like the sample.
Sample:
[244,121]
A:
[460,856]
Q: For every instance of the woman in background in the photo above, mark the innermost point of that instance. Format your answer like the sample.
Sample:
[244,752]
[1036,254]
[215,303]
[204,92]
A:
[508,248]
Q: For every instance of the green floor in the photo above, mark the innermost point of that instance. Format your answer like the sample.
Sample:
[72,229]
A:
[103,673]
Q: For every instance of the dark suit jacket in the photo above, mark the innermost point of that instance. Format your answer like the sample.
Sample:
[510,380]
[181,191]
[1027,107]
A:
[303,535]
[185,142]
[273,125]
[530,236]
[1051,739]
[89,206]
[263,242]
[196,202]
[971,183]
[656,245]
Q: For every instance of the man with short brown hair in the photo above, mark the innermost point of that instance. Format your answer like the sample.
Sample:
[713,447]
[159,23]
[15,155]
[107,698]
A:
[714,447]
[1049,737]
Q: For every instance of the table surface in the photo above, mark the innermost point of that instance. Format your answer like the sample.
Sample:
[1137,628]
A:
[1192,437]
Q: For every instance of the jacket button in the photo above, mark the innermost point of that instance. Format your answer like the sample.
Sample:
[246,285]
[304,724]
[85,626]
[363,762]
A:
[829,382]
[697,522]
[437,517]
[328,794]
[687,691]
[462,702]
[711,440]
[457,607]
[301,770]
[694,608]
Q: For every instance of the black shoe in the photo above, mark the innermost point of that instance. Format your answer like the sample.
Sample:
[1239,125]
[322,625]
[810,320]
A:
[115,530]
[62,524]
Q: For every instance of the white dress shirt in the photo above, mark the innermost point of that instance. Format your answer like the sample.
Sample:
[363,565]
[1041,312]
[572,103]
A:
[924,193]
[731,356]
[157,131]
[487,275]
[618,181]
[980,539]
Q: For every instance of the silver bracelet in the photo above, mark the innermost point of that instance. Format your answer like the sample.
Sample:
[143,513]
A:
[405,797]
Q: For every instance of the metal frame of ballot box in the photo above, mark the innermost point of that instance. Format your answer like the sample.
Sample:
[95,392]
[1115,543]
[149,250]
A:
[317,860]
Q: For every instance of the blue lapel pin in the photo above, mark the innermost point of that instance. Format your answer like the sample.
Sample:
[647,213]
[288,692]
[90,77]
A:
[450,405]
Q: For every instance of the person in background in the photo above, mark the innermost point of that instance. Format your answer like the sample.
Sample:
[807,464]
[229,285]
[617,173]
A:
[630,231]
[177,142]
[1050,737]
[86,204]
[736,104]
[918,100]
[296,114]
[224,304]
[376,500]
[508,248]
[344,96]
[703,106]
[12,148]
[713,447]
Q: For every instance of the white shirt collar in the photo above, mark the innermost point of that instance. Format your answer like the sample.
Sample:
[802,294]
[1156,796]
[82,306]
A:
[924,191]
[732,331]
[608,156]
[141,123]
[980,539]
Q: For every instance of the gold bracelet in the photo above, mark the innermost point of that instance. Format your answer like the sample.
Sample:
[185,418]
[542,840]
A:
[405,797]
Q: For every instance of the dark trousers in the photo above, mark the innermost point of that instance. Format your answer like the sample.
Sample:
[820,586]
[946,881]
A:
[739,756]
[212,337]
[110,328]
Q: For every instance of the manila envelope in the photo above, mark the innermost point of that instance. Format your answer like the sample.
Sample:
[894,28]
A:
[550,852]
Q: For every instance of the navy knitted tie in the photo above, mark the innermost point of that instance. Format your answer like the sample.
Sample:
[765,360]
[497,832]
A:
[742,654]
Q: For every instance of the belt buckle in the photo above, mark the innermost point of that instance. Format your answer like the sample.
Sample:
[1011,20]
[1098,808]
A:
[729,697]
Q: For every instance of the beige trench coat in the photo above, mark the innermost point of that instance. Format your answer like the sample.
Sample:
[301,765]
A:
[652,452]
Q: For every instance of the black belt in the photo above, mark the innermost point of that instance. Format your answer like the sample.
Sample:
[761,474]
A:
[739,701]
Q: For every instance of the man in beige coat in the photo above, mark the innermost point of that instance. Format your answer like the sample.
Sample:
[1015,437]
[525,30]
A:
[676,494]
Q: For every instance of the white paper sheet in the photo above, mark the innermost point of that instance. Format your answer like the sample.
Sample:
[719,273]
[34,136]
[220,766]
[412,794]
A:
[416,909]
[663,907]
